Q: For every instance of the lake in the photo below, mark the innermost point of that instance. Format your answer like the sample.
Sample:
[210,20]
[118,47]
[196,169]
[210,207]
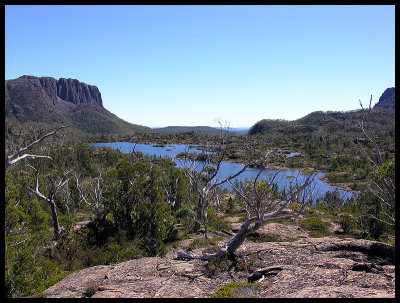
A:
[227,168]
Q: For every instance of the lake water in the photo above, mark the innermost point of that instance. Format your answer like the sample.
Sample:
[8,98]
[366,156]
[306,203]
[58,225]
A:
[227,168]
[292,154]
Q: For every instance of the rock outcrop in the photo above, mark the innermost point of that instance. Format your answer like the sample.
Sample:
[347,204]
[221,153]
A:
[387,100]
[78,93]
[70,90]
[309,267]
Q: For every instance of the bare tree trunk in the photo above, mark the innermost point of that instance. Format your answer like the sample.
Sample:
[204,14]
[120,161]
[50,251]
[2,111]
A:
[56,225]
[199,217]
[230,247]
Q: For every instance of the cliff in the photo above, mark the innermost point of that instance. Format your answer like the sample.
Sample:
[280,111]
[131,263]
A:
[45,99]
[70,90]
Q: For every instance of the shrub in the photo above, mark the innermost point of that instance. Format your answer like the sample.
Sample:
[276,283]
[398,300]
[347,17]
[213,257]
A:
[215,222]
[91,289]
[261,237]
[315,225]
[197,243]
[295,207]
[231,290]
[50,282]
[347,222]
[230,206]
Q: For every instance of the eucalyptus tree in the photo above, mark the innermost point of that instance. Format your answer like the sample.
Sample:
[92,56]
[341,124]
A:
[54,184]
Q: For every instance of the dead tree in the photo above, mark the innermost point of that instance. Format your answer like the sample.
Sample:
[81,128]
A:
[14,158]
[261,208]
[54,186]
[384,188]
[204,180]
[91,193]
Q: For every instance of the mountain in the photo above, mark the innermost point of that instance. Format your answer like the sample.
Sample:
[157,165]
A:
[387,100]
[64,101]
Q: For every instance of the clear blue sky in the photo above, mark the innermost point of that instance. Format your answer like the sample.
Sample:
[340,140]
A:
[190,65]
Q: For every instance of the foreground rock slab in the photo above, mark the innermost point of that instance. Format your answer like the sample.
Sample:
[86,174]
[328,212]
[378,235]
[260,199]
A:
[310,267]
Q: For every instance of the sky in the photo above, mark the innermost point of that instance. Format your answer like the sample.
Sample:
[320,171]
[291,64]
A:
[196,65]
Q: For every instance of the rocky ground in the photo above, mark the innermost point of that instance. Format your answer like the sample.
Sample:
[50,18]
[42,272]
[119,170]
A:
[306,268]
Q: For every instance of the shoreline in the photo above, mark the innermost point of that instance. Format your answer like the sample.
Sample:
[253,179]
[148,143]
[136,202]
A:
[342,186]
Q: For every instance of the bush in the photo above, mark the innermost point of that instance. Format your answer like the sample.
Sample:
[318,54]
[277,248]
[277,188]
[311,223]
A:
[315,225]
[50,282]
[231,290]
[91,289]
[215,222]
[230,206]
[197,243]
[347,222]
[261,237]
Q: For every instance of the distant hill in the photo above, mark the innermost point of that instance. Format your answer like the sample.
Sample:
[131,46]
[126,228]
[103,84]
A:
[186,129]
[387,100]
[240,130]
[319,121]
[65,101]
[330,121]
[201,129]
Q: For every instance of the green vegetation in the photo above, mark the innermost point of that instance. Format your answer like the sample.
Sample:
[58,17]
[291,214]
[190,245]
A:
[94,120]
[141,205]
[329,142]
[235,290]
[315,225]
[264,237]
[145,205]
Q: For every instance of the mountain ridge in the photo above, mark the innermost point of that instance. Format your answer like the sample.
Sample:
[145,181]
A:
[45,99]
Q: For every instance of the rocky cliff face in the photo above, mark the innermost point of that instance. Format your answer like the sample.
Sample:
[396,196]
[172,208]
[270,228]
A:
[78,93]
[66,101]
[387,100]
[70,90]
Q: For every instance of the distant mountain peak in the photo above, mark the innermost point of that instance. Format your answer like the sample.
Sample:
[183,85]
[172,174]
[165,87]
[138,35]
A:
[387,100]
